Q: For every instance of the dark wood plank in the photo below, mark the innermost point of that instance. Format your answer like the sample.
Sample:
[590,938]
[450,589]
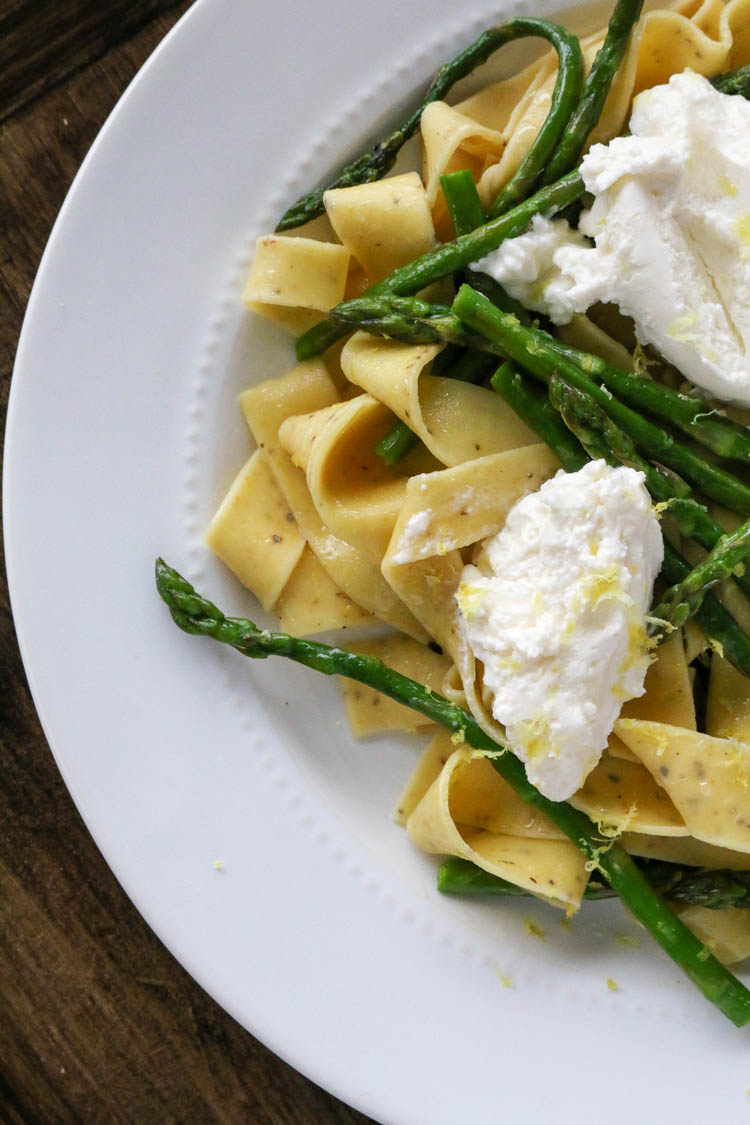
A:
[98,1023]
[43,41]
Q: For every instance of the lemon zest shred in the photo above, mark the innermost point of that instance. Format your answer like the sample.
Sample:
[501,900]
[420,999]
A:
[505,980]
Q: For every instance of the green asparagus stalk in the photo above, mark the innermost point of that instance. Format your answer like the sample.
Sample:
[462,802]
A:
[595,90]
[463,202]
[452,256]
[494,292]
[467,213]
[688,412]
[684,599]
[688,886]
[565,96]
[530,349]
[395,445]
[734,82]
[373,165]
[716,622]
[535,409]
[195,614]
[406,318]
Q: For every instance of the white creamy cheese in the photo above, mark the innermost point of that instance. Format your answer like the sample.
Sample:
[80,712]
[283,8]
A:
[527,267]
[671,222]
[558,622]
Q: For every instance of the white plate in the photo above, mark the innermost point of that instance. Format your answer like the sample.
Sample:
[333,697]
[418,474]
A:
[324,934]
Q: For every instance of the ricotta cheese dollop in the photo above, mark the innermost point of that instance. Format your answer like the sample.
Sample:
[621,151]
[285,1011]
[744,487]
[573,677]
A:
[671,223]
[557,618]
[527,266]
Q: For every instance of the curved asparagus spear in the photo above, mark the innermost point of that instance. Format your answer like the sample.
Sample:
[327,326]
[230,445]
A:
[372,165]
[452,256]
[195,614]
[530,349]
[565,97]
[597,85]
[689,886]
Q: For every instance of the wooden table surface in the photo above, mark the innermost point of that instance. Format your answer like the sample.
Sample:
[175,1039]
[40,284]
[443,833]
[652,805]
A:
[98,1022]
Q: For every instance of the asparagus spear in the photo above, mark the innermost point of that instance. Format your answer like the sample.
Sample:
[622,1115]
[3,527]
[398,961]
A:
[463,202]
[406,318]
[684,598]
[372,165]
[612,445]
[395,445]
[734,81]
[597,85]
[534,408]
[530,349]
[689,886]
[688,412]
[494,292]
[467,213]
[715,620]
[452,256]
[565,96]
[195,614]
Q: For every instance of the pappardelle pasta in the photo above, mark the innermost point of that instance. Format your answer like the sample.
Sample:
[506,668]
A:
[442,403]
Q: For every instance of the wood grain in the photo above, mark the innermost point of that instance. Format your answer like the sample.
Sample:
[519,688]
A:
[42,43]
[98,1023]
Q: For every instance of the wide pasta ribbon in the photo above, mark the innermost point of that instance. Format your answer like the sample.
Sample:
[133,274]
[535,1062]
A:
[357,495]
[707,778]
[306,389]
[463,813]
[456,421]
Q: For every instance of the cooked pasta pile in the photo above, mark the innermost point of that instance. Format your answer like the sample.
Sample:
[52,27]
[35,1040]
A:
[328,536]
